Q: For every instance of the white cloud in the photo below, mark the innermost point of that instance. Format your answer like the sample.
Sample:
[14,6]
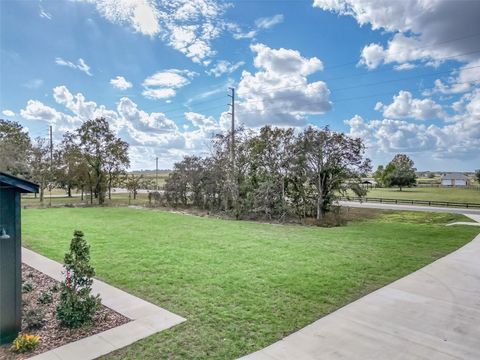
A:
[8,113]
[458,139]
[163,84]
[206,123]
[188,26]
[279,92]
[149,134]
[80,65]
[36,110]
[142,15]
[426,31]
[121,83]
[405,106]
[157,94]
[269,22]
[45,14]
[33,84]
[224,67]
[463,80]
[153,122]
[260,24]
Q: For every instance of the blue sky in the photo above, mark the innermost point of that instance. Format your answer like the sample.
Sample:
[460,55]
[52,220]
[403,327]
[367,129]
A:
[403,75]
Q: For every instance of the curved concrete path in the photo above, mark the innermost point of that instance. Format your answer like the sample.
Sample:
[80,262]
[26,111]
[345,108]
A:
[383,206]
[146,318]
[433,313]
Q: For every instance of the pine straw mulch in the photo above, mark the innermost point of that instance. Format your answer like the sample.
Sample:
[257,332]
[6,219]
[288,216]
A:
[52,335]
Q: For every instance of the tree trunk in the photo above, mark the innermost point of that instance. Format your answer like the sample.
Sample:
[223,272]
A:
[109,186]
[320,211]
[69,191]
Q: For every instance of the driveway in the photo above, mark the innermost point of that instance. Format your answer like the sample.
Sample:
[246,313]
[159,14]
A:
[433,313]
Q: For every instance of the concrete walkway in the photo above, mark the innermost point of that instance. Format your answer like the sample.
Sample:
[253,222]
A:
[433,313]
[147,319]
[382,206]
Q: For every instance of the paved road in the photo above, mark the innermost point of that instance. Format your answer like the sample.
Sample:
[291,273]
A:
[410,207]
[433,313]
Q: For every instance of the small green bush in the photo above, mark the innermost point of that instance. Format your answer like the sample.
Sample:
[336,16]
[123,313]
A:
[27,287]
[35,319]
[55,288]
[77,306]
[45,297]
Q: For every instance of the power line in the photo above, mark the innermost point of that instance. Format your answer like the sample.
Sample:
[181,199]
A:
[268,107]
[378,82]
[418,48]
[368,73]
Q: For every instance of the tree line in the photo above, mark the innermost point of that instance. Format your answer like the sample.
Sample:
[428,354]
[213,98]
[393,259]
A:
[90,159]
[273,173]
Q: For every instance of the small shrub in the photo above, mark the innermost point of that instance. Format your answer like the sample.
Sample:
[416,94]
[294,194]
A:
[25,343]
[35,319]
[45,297]
[27,287]
[55,288]
[77,306]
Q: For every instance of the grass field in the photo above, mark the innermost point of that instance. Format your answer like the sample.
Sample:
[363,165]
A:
[241,285]
[428,193]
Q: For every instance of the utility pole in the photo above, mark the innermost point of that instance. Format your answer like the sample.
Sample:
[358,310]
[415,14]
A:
[51,165]
[232,155]
[156,174]
[232,135]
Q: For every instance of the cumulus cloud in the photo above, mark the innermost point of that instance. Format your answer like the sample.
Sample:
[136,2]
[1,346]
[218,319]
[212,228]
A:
[279,92]
[120,83]
[36,110]
[206,123]
[461,81]
[260,24]
[147,133]
[224,67]
[405,106]
[80,65]
[424,30]
[457,139]
[188,26]
[142,15]
[163,84]
[153,122]
[8,113]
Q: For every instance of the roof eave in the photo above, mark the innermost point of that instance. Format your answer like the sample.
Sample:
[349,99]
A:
[21,185]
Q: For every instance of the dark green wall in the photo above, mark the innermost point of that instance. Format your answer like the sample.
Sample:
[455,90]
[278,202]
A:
[10,266]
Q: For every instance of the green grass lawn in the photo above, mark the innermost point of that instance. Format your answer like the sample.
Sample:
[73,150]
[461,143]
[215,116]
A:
[428,193]
[241,285]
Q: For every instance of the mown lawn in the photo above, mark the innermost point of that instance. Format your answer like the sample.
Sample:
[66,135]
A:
[241,285]
[428,193]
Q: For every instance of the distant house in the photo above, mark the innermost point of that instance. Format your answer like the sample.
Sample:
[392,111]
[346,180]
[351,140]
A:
[369,183]
[454,180]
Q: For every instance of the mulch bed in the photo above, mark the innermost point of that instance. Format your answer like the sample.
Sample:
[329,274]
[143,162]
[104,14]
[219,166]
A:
[52,335]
